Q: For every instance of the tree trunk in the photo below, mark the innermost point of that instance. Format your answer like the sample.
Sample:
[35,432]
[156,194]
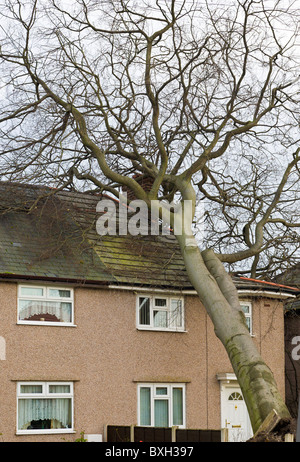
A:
[219,296]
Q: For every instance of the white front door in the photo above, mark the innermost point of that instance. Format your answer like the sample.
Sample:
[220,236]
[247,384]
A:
[234,414]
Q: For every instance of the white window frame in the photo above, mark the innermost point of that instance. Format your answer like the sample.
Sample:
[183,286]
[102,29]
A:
[45,395]
[171,327]
[46,297]
[248,315]
[169,396]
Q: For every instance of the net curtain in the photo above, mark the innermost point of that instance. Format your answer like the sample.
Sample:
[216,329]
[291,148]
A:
[61,310]
[56,409]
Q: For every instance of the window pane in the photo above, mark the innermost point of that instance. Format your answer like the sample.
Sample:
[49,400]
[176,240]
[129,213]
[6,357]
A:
[44,413]
[245,308]
[235,396]
[32,291]
[144,311]
[34,310]
[176,313]
[160,302]
[177,406]
[58,293]
[31,388]
[161,391]
[160,318]
[161,413]
[248,322]
[59,389]
[145,406]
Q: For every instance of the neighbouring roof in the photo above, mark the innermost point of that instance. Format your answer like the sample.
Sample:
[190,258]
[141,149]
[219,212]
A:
[48,234]
[291,277]
[259,286]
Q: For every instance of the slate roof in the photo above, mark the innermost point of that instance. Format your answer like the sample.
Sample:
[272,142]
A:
[291,277]
[47,234]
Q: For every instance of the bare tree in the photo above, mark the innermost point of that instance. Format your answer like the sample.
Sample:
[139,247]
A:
[202,99]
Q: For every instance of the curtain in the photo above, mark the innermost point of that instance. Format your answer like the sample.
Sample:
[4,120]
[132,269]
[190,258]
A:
[145,406]
[59,293]
[32,291]
[176,313]
[160,319]
[144,310]
[161,413]
[59,388]
[31,388]
[177,406]
[62,310]
[57,409]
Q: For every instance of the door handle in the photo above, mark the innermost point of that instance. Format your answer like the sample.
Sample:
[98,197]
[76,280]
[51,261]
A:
[226,423]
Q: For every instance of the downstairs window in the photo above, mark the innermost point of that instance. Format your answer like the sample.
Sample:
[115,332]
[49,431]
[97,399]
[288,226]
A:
[161,405]
[45,407]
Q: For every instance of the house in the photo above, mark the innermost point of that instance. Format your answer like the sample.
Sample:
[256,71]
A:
[107,330]
[292,341]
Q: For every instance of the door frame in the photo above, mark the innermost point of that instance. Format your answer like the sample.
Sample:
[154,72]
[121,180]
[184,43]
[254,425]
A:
[229,380]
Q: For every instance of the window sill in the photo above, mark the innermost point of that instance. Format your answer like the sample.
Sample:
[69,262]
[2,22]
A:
[180,427]
[44,432]
[45,323]
[160,329]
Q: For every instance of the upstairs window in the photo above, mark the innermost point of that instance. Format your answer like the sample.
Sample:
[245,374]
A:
[247,309]
[160,313]
[45,305]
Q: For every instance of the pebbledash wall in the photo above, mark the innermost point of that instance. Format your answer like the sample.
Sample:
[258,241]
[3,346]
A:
[106,356]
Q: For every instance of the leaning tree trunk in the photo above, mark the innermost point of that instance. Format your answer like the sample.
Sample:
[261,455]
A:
[220,298]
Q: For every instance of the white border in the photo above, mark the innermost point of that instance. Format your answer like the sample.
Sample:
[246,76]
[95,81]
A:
[169,396]
[45,394]
[46,297]
[248,315]
[250,292]
[152,307]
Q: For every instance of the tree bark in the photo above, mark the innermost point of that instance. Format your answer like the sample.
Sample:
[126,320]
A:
[220,299]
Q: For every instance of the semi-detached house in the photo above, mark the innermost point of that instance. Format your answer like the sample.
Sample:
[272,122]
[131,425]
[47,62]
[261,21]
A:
[107,330]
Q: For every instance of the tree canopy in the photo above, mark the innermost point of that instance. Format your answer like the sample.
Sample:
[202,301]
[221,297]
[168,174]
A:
[177,90]
[201,97]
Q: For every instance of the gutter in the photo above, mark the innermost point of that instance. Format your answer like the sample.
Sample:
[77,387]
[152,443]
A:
[155,290]
[250,292]
[266,293]
[5,277]
[105,284]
